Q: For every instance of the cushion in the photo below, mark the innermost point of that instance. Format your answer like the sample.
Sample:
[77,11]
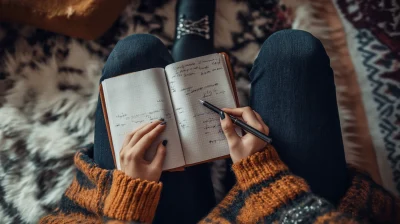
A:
[86,19]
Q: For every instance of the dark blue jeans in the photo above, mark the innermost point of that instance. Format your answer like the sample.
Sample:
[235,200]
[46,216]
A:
[292,89]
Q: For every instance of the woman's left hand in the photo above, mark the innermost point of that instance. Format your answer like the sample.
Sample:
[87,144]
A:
[134,148]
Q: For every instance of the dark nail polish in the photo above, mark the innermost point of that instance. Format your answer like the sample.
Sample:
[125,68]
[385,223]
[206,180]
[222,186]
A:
[163,123]
[161,119]
[165,142]
[222,115]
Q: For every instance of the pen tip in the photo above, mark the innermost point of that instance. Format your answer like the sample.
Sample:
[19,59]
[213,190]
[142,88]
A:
[201,101]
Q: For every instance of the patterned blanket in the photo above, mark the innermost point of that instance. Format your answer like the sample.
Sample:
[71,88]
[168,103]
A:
[373,36]
[50,86]
[362,39]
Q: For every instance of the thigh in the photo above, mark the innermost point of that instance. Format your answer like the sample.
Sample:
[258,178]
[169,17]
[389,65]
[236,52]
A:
[186,196]
[292,87]
[131,54]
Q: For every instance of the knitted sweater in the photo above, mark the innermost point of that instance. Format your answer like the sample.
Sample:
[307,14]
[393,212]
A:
[266,191]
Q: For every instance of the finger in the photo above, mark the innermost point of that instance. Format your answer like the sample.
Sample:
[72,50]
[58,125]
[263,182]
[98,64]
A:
[144,143]
[129,136]
[143,131]
[159,158]
[252,138]
[265,127]
[229,130]
[247,114]
[127,139]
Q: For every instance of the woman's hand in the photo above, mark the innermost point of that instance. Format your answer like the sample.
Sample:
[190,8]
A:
[242,147]
[134,147]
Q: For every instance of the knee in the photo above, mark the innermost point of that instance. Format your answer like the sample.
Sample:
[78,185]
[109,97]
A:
[139,44]
[289,46]
[135,53]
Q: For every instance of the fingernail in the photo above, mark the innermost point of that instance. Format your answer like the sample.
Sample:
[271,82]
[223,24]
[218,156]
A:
[161,119]
[222,115]
[163,123]
[165,142]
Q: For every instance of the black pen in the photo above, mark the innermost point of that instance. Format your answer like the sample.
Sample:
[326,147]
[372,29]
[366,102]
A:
[238,122]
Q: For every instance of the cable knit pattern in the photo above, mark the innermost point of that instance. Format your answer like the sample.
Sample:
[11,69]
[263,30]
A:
[97,195]
[132,199]
[256,169]
[266,192]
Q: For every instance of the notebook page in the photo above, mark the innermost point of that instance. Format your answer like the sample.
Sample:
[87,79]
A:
[138,98]
[199,128]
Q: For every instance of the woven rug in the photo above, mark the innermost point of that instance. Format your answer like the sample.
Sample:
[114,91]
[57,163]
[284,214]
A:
[362,39]
[373,37]
[50,86]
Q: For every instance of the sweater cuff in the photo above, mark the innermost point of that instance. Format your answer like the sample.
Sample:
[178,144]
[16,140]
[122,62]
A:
[132,199]
[259,167]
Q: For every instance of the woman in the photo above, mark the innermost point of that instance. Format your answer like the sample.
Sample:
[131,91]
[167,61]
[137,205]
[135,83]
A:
[292,90]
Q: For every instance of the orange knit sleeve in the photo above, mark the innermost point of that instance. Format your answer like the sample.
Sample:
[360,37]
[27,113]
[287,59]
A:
[259,167]
[267,192]
[105,196]
[132,199]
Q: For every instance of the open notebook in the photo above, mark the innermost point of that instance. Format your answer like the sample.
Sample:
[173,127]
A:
[193,132]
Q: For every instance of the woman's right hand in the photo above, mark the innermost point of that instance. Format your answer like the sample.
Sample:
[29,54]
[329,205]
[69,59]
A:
[242,147]
[133,150]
